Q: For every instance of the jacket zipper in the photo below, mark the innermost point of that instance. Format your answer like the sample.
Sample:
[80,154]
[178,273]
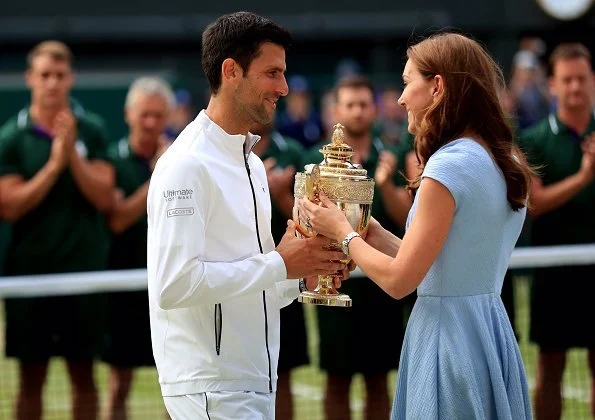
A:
[264,303]
[218,327]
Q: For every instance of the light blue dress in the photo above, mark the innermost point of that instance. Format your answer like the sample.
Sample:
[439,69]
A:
[460,358]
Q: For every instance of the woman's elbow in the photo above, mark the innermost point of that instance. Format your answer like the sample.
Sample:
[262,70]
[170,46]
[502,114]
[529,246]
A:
[396,293]
[400,289]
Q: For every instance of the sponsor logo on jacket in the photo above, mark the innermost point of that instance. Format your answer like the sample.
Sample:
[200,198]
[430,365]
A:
[184,211]
[184,194]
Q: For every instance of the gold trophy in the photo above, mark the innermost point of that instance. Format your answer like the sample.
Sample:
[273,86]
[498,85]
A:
[348,186]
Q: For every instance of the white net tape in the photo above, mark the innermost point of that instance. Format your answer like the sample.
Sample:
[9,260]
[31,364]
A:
[127,280]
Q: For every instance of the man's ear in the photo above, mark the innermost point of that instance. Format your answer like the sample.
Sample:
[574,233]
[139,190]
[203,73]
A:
[230,70]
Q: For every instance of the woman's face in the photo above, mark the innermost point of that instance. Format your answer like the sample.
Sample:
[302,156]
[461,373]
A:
[418,94]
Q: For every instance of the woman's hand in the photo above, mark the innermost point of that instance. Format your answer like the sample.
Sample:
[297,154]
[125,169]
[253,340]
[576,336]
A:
[326,218]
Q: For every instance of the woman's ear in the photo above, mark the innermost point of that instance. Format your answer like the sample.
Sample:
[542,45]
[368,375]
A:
[438,85]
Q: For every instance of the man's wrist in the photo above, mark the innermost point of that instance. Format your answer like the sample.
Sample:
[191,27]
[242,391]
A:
[585,177]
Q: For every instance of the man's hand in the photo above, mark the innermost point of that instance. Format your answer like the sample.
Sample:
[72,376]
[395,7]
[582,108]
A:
[312,283]
[63,141]
[65,127]
[387,164]
[308,257]
[587,168]
[280,180]
[162,145]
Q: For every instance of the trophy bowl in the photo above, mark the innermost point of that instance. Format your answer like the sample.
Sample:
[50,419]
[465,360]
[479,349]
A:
[348,186]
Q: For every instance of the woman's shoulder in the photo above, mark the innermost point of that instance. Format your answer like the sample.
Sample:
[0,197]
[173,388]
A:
[463,153]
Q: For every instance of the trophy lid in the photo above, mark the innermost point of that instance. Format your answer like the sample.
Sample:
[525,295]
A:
[337,157]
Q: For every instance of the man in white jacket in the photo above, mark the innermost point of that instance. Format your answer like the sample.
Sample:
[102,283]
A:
[216,281]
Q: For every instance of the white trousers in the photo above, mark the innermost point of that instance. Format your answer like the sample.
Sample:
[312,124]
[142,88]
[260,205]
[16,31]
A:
[222,405]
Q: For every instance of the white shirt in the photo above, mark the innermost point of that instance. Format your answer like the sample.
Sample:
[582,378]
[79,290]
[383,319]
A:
[216,284]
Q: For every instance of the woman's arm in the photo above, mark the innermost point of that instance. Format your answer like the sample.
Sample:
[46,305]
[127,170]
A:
[427,233]
[381,239]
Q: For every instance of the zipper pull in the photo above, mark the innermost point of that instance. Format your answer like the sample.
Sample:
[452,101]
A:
[245,159]
[247,166]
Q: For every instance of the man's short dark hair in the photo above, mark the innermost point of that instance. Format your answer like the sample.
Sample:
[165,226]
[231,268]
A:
[356,81]
[238,36]
[59,51]
[569,51]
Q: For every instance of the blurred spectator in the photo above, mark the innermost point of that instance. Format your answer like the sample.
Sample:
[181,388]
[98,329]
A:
[346,335]
[347,67]
[562,146]
[128,340]
[300,120]
[533,44]
[508,103]
[391,116]
[182,114]
[55,183]
[282,157]
[327,113]
[529,89]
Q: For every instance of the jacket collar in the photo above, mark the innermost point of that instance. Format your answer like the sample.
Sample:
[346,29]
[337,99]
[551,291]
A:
[234,143]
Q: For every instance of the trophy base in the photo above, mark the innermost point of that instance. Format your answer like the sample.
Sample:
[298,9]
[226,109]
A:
[314,298]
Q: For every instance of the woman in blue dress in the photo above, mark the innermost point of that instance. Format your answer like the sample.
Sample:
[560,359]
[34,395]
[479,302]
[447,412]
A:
[460,358]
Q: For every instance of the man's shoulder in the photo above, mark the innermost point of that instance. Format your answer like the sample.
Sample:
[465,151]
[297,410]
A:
[292,144]
[114,151]
[91,121]
[313,154]
[10,130]
[537,132]
[179,158]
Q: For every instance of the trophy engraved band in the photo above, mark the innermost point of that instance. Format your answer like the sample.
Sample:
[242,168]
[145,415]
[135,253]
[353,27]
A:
[347,185]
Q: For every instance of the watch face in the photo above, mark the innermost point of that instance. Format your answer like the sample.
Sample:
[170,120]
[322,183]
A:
[565,9]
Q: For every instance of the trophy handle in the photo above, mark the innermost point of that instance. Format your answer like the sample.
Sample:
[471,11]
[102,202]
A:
[313,183]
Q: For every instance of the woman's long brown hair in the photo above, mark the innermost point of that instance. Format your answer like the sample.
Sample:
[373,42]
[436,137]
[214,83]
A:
[468,103]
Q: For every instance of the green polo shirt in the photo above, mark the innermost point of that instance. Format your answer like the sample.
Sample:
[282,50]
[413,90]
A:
[555,150]
[129,249]
[287,152]
[64,233]
[378,210]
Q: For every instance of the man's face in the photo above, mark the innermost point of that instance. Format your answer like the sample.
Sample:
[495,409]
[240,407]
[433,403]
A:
[50,81]
[389,106]
[572,83]
[263,84]
[355,109]
[147,118]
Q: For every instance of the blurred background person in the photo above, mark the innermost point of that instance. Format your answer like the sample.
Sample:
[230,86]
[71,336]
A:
[562,146]
[55,184]
[149,103]
[300,120]
[182,113]
[345,335]
[327,113]
[529,89]
[392,118]
[282,157]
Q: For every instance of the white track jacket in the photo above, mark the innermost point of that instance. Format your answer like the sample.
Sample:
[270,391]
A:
[216,284]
